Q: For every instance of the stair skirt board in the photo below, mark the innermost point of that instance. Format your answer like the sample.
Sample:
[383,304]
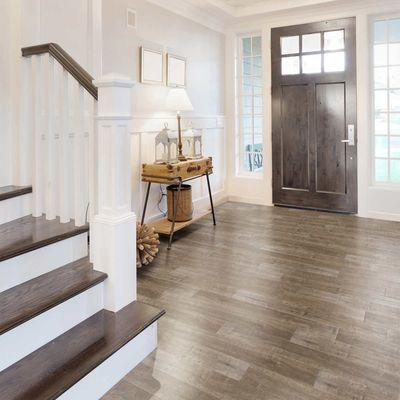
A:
[25,267]
[22,340]
[94,385]
[15,207]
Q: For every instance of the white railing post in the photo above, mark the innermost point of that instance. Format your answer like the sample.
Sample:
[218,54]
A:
[113,229]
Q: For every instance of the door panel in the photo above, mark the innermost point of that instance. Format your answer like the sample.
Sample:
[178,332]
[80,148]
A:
[330,131]
[313,102]
[295,137]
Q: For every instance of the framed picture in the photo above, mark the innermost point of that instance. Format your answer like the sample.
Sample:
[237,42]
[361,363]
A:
[151,66]
[176,71]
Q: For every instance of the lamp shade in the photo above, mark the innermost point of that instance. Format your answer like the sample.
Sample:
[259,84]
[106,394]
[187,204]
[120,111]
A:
[178,100]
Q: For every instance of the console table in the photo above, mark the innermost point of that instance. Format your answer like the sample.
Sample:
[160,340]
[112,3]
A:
[178,173]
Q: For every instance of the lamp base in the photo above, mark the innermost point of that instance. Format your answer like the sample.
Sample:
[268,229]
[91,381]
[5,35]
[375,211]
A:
[182,158]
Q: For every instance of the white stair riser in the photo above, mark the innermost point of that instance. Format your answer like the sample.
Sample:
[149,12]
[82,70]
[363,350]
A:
[16,207]
[29,336]
[99,381]
[25,267]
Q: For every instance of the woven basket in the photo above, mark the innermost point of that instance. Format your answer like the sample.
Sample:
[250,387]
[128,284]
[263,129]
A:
[185,206]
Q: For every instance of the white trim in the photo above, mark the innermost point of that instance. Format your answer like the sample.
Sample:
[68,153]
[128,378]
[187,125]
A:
[382,215]
[250,200]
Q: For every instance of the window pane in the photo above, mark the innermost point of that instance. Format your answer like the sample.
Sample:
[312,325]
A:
[380,77]
[380,32]
[246,46]
[247,85]
[290,45]
[395,147]
[395,124]
[247,104]
[380,55]
[311,63]
[394,54]
[311,42]
[257,66]
[394,100]
[394,30]
[394,77]
[290,65]
[381,100]
[257,85]
[381,170]
[381,146]
[247,66]
[258,106]
[256,46]
[334,62]
[247,124]
[395,170]
[381,124]
[334,40]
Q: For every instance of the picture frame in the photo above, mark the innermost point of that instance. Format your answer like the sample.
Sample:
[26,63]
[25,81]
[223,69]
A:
[151,66]
[176,71]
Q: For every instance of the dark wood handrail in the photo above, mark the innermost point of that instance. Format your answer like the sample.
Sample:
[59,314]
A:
[79,73]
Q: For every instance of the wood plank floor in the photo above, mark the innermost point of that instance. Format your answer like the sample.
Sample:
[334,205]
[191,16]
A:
[276,304]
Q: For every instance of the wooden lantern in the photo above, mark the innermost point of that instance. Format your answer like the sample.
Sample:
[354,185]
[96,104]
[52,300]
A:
[166,145]
[192,143]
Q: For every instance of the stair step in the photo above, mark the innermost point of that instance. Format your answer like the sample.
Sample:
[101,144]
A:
[8,192]
[54,368]
[23,302]
[28,233]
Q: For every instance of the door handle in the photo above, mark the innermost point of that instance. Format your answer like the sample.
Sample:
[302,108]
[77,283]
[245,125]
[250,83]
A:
[345,141]
[350,134]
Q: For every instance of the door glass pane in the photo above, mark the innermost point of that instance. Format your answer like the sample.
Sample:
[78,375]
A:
[381,170]
[394,54]
[246,43]
[394,30]
[290,65]
[395,124]
[394,77]
[247,105]
[380,55]
[380,77]
[395,170]
[257,85]
[257,66]
[247,66]
[334,62]
[290,45]
[380,32]
[381,100]
[311,42]
[381,146]
[258,105]
[256,45]
[311,63]
[334,40]
[395,147]
[394,100]
[247,85]
[381,124]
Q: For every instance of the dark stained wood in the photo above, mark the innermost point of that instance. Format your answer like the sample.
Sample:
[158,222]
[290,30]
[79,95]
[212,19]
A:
[274,304]
[8,192]
[54,368]
[28,233]
[332,165]
[78,72]
[25,301]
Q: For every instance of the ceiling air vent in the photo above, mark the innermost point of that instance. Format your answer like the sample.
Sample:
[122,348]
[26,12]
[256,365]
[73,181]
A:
[131,19]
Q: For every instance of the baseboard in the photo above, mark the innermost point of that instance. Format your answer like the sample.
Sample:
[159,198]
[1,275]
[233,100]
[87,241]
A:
[249,200]
[29,336]
[381,215]
[99,381]
[20,269]
[16,207]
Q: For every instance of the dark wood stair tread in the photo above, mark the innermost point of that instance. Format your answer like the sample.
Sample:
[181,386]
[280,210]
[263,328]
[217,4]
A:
[8,192]
[25,301]
[28,233]
[54,368]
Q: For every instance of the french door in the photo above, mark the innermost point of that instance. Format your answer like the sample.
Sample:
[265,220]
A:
[314,132]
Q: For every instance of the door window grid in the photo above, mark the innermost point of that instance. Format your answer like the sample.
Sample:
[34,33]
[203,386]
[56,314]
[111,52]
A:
[386,100]
[313,53]
[250,104]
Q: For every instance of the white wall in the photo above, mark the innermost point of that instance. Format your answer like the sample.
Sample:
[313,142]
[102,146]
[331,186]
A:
[374,201]
[205,52]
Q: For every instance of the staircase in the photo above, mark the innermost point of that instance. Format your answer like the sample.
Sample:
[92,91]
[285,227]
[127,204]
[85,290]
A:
[70,327]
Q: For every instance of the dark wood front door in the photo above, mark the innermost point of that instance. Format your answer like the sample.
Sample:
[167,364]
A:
[314,132]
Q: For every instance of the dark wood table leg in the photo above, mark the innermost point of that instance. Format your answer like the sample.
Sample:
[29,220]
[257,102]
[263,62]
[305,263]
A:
[146,201]
[211,199]
[171,235]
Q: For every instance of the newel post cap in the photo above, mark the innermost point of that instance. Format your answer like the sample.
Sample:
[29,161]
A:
[113,80]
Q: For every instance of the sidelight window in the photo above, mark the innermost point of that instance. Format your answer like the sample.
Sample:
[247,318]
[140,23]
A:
[250,104]
[386,100]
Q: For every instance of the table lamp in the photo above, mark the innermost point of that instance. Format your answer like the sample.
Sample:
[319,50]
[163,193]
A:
[178,101]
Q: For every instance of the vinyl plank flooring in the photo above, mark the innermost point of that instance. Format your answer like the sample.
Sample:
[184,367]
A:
[277,304]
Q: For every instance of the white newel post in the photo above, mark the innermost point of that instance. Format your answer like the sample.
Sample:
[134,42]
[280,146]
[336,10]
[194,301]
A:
[113,229]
